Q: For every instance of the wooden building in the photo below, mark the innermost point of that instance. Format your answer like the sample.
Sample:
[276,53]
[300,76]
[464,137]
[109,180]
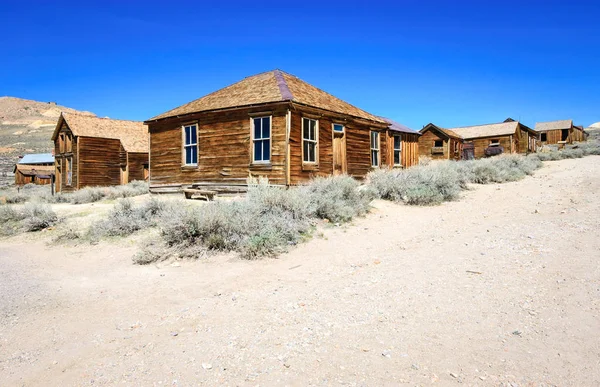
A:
[476,141]
[402,144]
[92,151]
[272,124]
[34,169]
[440,144]
[555,132]
[579,134]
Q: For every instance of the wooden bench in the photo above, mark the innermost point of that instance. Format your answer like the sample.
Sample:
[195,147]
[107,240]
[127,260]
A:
[199,194]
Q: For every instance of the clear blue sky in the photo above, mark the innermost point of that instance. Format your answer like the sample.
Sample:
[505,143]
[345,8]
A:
[452,63]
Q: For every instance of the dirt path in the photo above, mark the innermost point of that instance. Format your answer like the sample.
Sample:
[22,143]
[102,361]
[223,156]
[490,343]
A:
[501,287]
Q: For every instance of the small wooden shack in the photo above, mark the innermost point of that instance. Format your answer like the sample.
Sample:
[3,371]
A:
[555,132]
[93,151]
[35,168]
[440,144]
[579,134]
[402,145]
[272,124]
[478,141]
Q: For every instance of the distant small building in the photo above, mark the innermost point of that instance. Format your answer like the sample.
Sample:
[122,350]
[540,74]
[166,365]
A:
[93,151]
[440,144]
[35,168]
[556,132]
[401,144]
[477,141]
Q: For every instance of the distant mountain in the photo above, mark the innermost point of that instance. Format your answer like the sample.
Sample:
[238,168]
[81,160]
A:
[25,127]
[596,125]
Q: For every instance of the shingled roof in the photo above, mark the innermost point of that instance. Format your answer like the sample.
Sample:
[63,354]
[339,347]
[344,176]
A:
[398,127]
[268,87]
[553,125]
[133,134]
[488,130]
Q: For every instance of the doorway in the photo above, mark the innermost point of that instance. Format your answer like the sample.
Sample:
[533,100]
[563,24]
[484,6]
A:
[340,165]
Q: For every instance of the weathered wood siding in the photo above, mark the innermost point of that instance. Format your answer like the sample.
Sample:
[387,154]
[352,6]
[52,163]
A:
[99,162]
[555,136]
[482,143]
[135,167]
[224,148]
[426,142]
[61,155]
[409,155]
[21,179]
[358,147]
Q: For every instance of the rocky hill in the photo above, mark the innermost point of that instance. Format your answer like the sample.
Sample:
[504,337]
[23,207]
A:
[25,127]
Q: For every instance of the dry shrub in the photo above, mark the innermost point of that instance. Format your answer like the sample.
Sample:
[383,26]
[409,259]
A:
[27,218]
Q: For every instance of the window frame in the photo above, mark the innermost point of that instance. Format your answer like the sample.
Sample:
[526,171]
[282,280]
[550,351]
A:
[394,150]
[254,139]
[438,146]
[184,146]
[314,141]
[375,149]
[494,142]
[543,137]
[333,125]
[61,142]
[69,172]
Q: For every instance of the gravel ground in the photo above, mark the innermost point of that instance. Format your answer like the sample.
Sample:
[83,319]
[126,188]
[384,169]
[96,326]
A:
[499,288]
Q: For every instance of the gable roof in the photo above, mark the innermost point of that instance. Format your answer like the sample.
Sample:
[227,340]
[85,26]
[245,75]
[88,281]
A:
[553,125]
[268,87]
[488,130]
[133,134]
[34,170]
[398,127]
[37,158]
[446,132]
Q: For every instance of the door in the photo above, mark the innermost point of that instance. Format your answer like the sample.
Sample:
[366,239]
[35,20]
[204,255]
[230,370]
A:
[58,175]
[340,166]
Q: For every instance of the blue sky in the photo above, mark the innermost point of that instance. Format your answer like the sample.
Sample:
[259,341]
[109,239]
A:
[451,63]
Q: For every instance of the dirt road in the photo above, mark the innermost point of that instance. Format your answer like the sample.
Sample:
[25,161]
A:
[500,287]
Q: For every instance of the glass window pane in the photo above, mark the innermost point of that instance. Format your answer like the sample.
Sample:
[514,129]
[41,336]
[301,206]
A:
[397,142]
[257,151]
[188,155]
[266,150]
[257,128]
[266,127]
[396,158]
[193,134]
[338,128]
[187,134]
[305,147]
[313,125]
[194,154]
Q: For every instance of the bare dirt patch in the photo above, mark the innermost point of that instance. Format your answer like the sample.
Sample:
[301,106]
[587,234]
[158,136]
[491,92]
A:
[499,287]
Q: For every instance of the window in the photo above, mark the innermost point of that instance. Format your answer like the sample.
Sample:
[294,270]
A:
[69,142]
[543,137]
[495,142]
[374,149]
[261,133]
[309,140]
[438,143]
[190,144]
[61,143]
[69,171]
[339,128]
[397,150]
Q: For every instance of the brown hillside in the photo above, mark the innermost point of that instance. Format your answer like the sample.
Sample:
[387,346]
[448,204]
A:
[25,127]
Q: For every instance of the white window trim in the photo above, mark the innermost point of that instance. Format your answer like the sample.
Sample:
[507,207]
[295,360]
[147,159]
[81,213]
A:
[333,125]
[185,146]
[394,150]
[270,138]
[378,149]
[492,143]
[315,141]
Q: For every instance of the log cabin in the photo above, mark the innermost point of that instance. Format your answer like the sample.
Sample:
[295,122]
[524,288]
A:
[34,169]
[478,141]
[440,144]
[271,125]
[555,132]
[93,151]
[402,144]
